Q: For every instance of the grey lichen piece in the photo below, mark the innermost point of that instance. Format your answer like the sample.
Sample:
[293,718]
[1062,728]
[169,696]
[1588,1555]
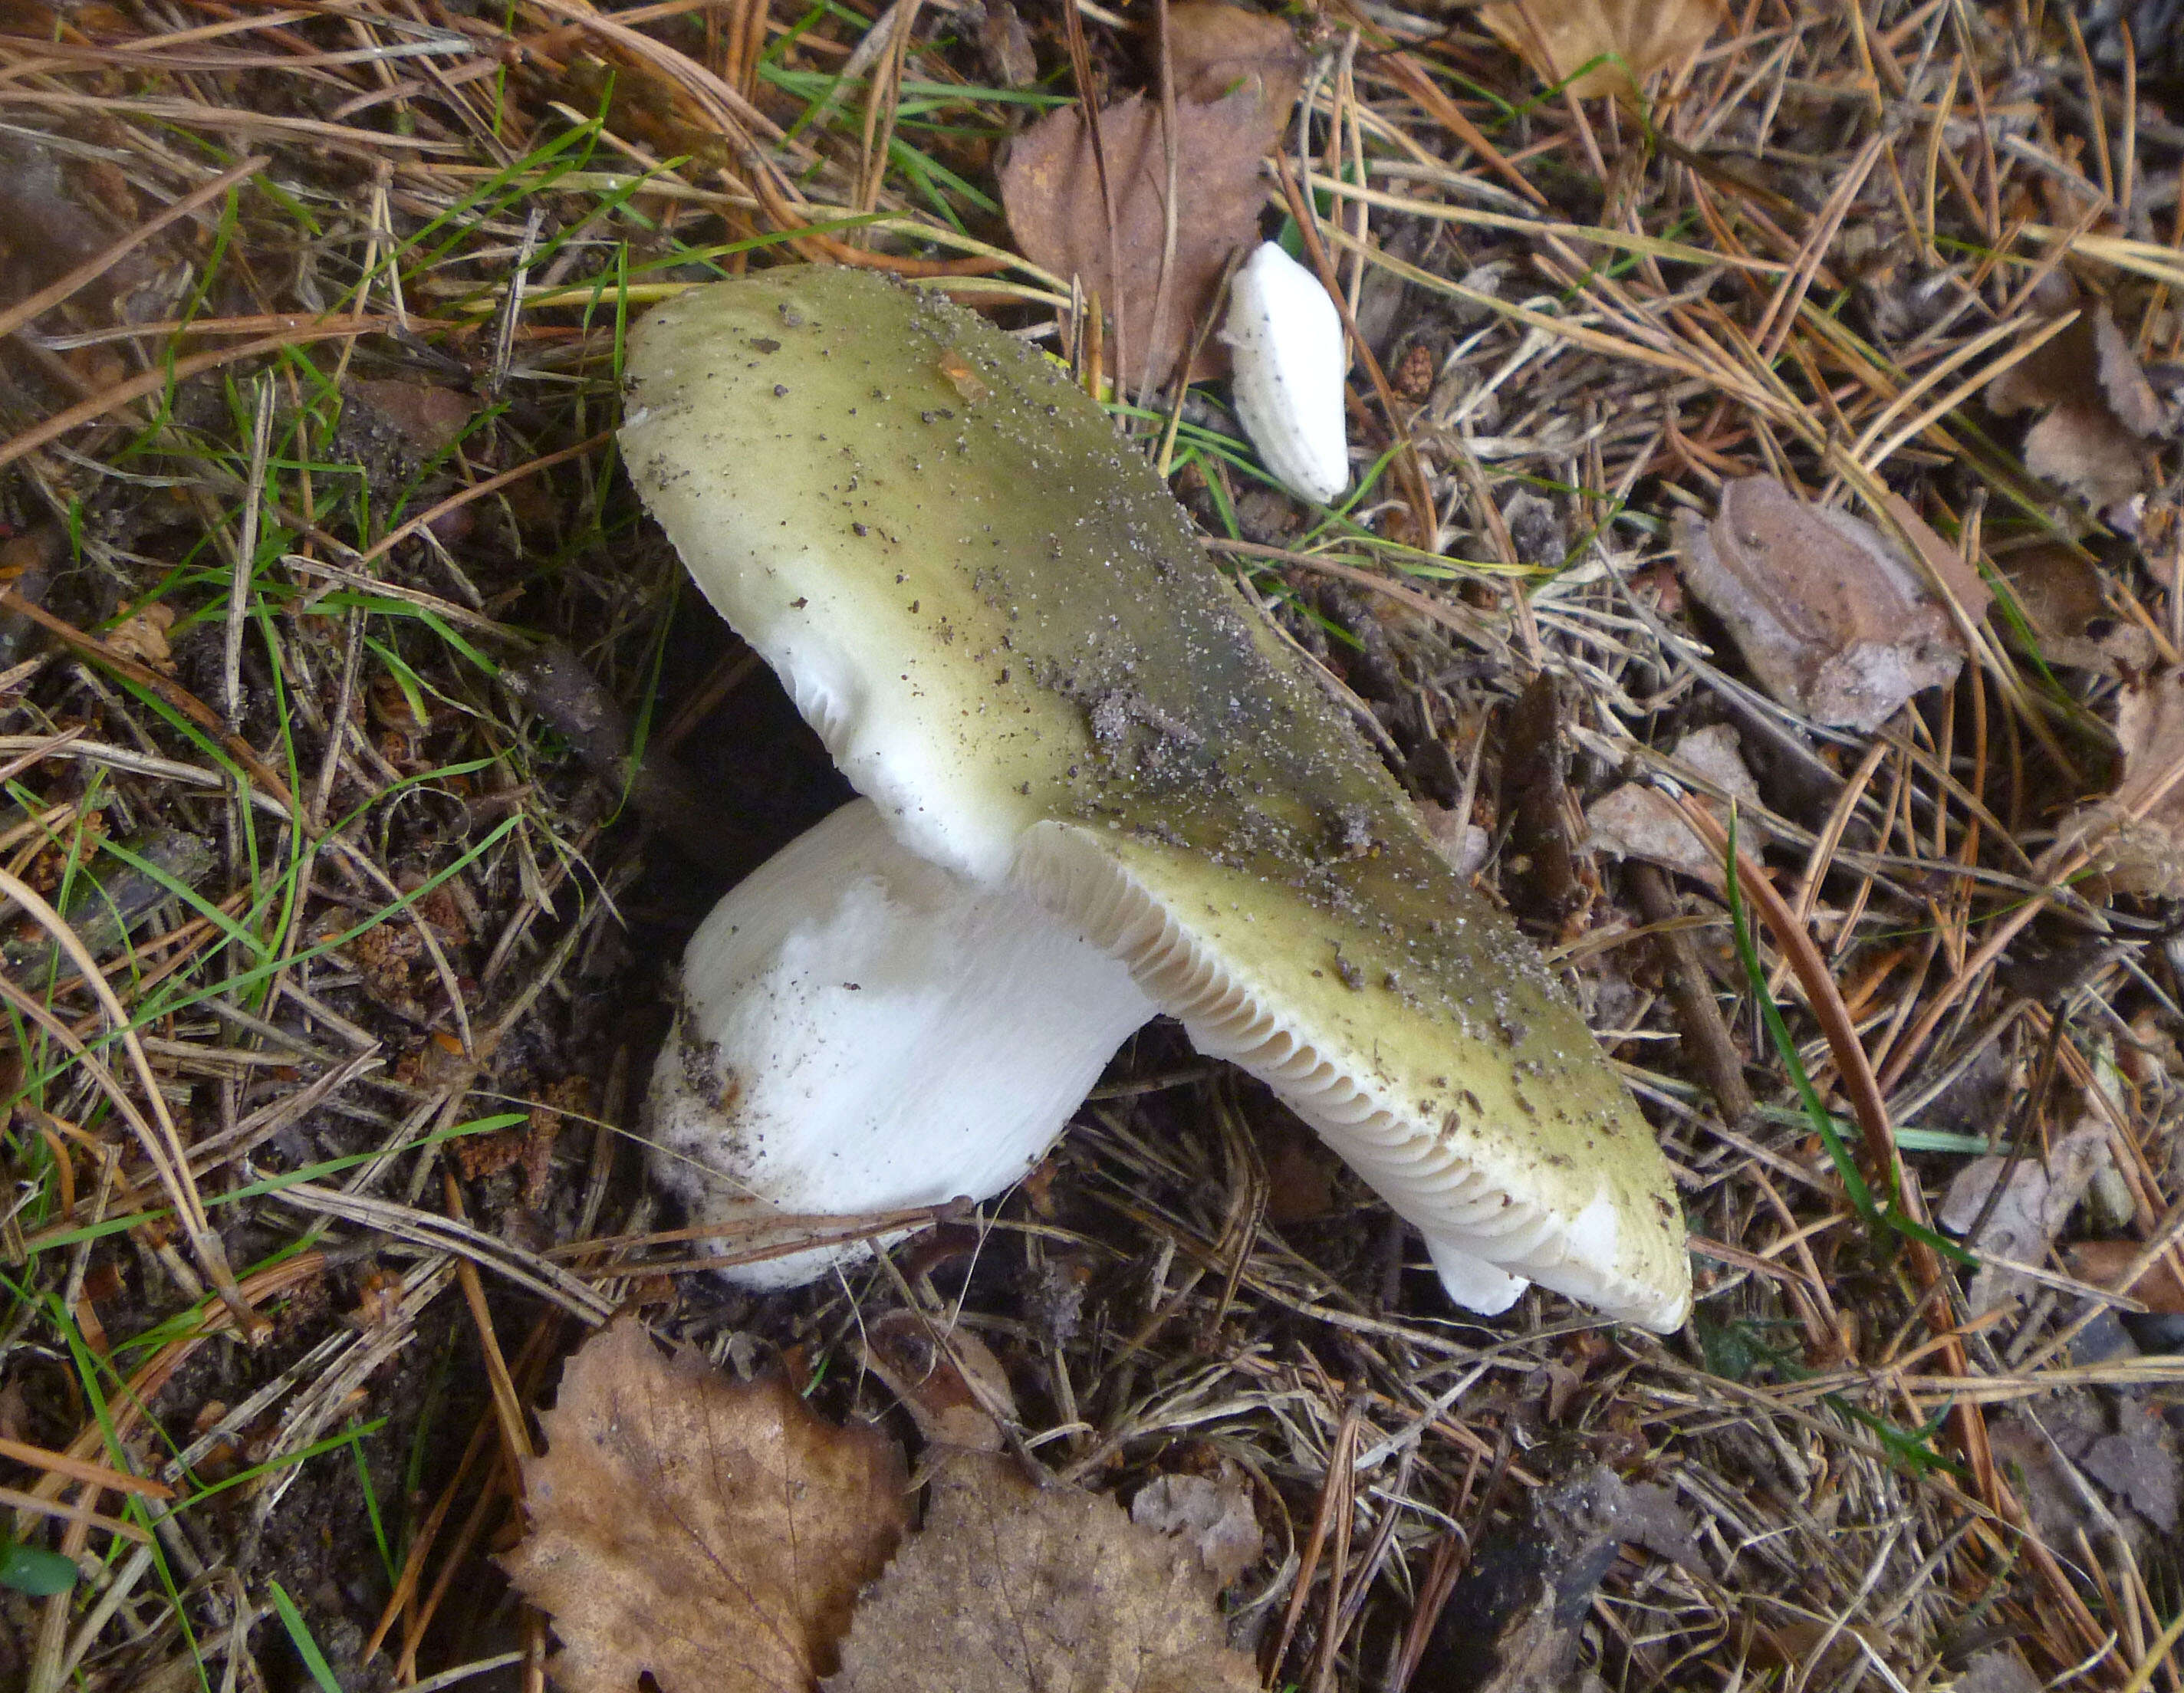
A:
[1004,628]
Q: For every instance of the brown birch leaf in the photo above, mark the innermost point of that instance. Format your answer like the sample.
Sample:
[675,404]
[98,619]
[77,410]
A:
[1015,1588]
[1051,190]
[705,1532]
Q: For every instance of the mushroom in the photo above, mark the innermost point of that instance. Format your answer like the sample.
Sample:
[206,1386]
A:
[1004,629]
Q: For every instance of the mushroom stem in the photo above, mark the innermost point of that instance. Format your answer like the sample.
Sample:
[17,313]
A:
[860,1030]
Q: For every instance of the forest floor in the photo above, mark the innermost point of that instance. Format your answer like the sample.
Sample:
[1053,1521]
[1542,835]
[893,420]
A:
[340,951]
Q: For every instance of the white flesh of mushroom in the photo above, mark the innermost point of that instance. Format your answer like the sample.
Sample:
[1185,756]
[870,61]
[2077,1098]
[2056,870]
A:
[861,1031]
[1285,339]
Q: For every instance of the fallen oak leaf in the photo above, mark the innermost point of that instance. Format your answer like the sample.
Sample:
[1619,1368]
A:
[1014,1588]
[709,1535]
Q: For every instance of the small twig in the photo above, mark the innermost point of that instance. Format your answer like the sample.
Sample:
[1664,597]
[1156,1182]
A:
[1685,975]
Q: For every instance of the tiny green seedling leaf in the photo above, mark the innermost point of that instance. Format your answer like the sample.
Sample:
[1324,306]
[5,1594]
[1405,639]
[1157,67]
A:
[33,1571]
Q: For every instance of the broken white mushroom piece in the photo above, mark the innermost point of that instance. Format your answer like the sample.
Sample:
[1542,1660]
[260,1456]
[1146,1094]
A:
[1285,341]
[858,1030]
[1004,628]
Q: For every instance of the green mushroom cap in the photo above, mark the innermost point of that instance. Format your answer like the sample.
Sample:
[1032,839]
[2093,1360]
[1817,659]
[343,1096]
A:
[1002,625]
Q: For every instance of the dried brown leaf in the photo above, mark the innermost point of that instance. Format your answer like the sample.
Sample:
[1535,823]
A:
[1999,1669]
[2140,854]
[1944,564]
[2101,408]
[428,418]
[1559,38]
[709,1535]
[1011,1587]
[1512,1622]
[1216,50]
[1051,193]
[2150,729]
[2089,363]
[2036,1198]
[2139,1463]
[1831,617]
[142,634]
[2058,591]
[2085,449]
[952,1384]
[1637,821]
[1212,1515]
[1006,44]
[2104,1263]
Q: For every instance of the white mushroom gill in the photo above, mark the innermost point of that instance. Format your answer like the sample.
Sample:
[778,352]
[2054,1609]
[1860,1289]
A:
[858,1030]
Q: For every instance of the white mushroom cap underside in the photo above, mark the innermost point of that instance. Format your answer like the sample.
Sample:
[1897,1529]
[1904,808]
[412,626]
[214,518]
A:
[1491,1220]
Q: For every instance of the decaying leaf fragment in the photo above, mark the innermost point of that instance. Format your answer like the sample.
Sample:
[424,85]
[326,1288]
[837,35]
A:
[2101,408]
[2106,1264]
[1216,50]
[1999,1669]
[1212,1515]
[2057,593]
[1512,1621]
[1833,619]
[1013,1588]
[142,634]
[1638,821]
[2020,1222]
[1237,75]
[951,1383]
[2136,833]
[1560,38]
[709,1535]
